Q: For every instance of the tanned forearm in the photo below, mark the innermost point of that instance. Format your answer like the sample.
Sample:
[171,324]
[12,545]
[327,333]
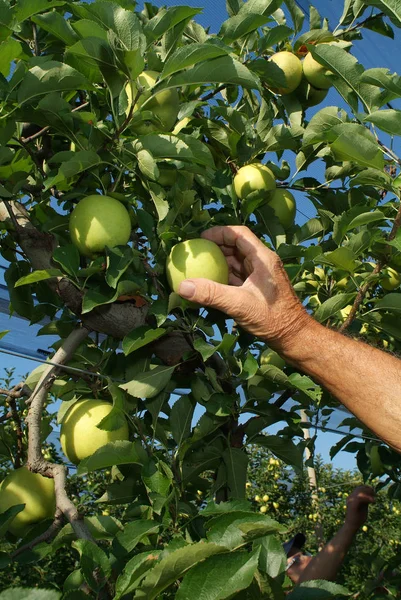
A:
[366,380]
[327,563]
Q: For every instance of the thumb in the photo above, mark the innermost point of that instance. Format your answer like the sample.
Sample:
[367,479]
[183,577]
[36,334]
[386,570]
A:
[226,298]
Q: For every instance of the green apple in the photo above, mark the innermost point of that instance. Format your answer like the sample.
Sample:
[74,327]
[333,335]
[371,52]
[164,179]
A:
[193,259]
[391,279]
[284,206]
[292,69]
[99,221]
[376,462]
[79,435]
[252,178]
[315,73]
[164,104]
[35,491]
[308,95]
[270,357]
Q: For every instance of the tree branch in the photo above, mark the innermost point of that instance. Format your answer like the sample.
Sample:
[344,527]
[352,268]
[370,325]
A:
[36,462]
[39,134]
[46,536]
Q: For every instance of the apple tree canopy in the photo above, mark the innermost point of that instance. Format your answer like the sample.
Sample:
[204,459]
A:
[79,119]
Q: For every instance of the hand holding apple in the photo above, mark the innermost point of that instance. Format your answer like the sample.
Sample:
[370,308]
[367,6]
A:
[260,297]
[358,503]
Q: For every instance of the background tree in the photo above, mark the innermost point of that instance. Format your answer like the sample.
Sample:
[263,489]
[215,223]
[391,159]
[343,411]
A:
[80,123]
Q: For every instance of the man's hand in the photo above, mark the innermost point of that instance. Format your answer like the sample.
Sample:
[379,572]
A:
[260,297]
[358,503]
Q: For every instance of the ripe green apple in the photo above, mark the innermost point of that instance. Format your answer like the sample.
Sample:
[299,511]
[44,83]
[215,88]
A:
[35,491]
[270,357]
[391,279]
[99,221]
[315,73]
[164,105]
[284,206]
[308,95]
[79,435]
[252,178]
[292,69]
[193,259]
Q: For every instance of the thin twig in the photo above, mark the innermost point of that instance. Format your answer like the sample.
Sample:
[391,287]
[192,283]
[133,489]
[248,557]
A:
[46,536]
[35,40]
[37,135]
[363,23]
[283,398]
[365,288]
[19,456]
[214,93]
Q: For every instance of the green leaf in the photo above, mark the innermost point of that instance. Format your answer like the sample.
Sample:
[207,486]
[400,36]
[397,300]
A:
[190,55]
[391,8]
[297,15]
[236,461]
[150,383]
[233,530]
[38,276]
[348,70]
[27,8]
[382,78]
[283,448]
[173,567]
[274,36]
[20,299]
[241,25]
[218,70]
[10,50]
[178,147]
[3,333]
[343,258]
[219,577]
[80,162]
[133,533]
[356,143]
[93,560]
[103,294]
[260,7]
[141,336]
[118,261]
[318,590]
[50,76]
[113,453]
[7,517]
[19,593]
[57,25]
[181,416]
[134,571]
[388,120]
[166,19]
[148,165]
[68,257]
[331,306]
[272,558]
[390,302]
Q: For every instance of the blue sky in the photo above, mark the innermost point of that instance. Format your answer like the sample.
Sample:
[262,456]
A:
[373,51]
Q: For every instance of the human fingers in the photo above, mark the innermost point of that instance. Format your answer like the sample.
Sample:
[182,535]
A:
[227,298]
[236,237]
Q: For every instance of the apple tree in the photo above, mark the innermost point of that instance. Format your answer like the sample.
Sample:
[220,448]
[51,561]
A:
[125,132]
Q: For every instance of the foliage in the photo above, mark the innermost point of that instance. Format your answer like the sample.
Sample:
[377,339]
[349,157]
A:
[189,382]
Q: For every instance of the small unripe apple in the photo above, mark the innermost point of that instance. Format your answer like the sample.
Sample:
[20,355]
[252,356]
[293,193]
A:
[315,73]
[391,279]
[99,221]
[263,509]
[252,178]
[276,505]
[364,528]
[270,357]
[32,489]
[265,498]
[376,462]
[292,69]
[193,259]
[284,206]
[248,485]
[257,498]
[164,104]
[79,435]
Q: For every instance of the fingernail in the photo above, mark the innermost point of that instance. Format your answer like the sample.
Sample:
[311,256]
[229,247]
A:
[186,289]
